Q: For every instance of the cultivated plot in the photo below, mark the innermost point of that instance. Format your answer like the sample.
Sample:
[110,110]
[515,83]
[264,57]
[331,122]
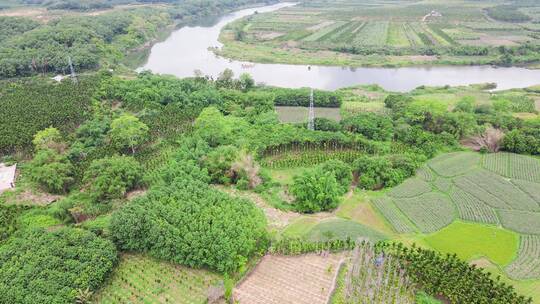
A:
[307,279]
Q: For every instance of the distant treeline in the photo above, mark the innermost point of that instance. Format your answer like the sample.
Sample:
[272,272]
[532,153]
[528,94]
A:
[28,47]
[507,13]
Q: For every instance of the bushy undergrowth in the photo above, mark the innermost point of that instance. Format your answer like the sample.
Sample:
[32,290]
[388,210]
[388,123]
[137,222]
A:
[186,221]
[39,266]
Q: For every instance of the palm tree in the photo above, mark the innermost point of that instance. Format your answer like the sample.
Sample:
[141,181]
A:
[84,296]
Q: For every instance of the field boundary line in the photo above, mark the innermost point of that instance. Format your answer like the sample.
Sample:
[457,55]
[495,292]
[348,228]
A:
[332,290]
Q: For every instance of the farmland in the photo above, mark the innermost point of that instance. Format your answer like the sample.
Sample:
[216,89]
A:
[382,33]
[296,279]
[481,200]
[140,279]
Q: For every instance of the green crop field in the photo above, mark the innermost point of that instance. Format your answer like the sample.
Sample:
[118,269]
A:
[527,263]
[395,31]
[484,193]
[469,241]
[410,188]
[429,212]
[140,279]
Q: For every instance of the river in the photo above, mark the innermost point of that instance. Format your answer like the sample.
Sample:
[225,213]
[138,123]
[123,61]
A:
[186,50]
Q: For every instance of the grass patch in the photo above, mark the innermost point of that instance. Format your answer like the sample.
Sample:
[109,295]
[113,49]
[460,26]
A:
[336,228]
[470,241]
[300,227]
[285,176]
[357,208]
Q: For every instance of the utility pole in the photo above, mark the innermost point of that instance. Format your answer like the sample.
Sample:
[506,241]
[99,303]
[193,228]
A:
[311,115]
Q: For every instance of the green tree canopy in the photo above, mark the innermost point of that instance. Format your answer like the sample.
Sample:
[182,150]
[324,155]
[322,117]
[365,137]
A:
[315,190]
[39,266]
[127,131]
[112,177]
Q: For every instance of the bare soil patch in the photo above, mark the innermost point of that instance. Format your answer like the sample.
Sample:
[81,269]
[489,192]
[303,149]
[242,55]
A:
[33,198]
[269,35]
[321,25]
[306,279]
[276,218]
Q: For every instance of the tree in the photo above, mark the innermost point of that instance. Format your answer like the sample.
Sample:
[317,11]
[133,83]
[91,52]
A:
[315,190]
[219,162]
[51,170]
[186,221]
[246,82]
[49,138]
[112,177]
[341,171]
[371,125]
[465,104]
[40,266]
[127,131]
[225,79]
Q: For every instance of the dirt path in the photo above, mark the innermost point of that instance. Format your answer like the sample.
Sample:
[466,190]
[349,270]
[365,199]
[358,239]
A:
[276,218]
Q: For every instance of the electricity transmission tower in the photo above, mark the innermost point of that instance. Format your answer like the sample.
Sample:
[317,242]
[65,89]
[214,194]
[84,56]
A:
[311,115]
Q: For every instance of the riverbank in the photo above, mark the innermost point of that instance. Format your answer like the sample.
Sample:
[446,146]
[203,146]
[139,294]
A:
[379,34]
[261,53]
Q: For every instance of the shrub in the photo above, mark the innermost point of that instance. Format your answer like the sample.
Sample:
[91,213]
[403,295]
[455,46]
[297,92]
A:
[376,172]
[186,221]
[38,266]
[112,177]
[218,162]
[315,190]
[49,138]
[371,125]
[325,124]
[341,171]
[301,97]
[52,171]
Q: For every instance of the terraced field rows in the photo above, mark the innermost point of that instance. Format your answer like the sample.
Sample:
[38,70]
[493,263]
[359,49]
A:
[397,220]
[524,168]
[324,31]
[472,209]
[497,163]
[482,195]
[527,264]
[521,221]
[532,189]
[513,166]
[397,35]
[426,174]
[502,189]
[443,184]
[479,195]
[453,164]
[429,212]
[410,188]
[373,34]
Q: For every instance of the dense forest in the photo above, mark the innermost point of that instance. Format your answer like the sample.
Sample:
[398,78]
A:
[29,47]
